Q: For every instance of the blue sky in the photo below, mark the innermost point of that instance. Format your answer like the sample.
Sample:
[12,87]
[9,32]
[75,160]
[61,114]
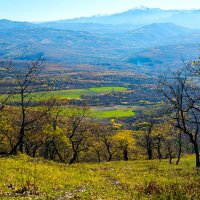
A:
[44,10]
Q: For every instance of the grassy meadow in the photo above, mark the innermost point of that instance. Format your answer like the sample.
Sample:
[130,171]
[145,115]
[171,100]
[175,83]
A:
[104,112]
[112,113]
[67,94]
[40,179]
[77,93]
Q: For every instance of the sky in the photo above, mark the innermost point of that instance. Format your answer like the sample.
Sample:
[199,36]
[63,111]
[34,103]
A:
[49,10]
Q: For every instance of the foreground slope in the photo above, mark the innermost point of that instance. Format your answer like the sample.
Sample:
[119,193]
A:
[39,179]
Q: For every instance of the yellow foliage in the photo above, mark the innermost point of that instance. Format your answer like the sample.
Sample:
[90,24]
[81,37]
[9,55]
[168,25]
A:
[124,137]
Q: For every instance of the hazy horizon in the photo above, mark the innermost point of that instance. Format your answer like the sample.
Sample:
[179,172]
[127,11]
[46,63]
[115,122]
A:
[37,10]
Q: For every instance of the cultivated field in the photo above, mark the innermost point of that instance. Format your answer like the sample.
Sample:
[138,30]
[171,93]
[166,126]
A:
[113,113]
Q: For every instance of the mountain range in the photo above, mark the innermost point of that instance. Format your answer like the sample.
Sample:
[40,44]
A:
[136,17]
[151,38]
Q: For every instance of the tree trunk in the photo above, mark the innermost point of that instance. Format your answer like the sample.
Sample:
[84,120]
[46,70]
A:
[27,149]
[179,155]
[196,150]
[46,150]
[14,149]
[22,129]
[170,158]
[21,139]
[110,157]
[170,154]
[58,153]
[197,154]
[34,150]
[149,150]
[125,153]
[158,149]
[179,149]
[109,153]
[74,158]
[99,156]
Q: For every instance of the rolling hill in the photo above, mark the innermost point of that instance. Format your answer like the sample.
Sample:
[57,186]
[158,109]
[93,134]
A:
[115,47]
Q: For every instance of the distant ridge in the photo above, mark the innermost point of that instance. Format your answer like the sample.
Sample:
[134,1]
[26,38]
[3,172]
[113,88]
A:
[137,17]
[7,24]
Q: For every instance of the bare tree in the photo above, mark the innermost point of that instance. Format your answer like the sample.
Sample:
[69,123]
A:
[148,138]
[104,134]
[77,130]
[50,146]
[183,98]
[27,81]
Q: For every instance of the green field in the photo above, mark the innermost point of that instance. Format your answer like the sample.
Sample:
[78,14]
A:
[116,113]
[77,93]
[40,179]
[68,94]
[105,112]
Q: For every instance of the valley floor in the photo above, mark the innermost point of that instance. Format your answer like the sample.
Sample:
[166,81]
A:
[26,178]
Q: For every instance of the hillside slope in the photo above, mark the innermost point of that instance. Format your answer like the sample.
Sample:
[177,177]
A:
[38,179]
